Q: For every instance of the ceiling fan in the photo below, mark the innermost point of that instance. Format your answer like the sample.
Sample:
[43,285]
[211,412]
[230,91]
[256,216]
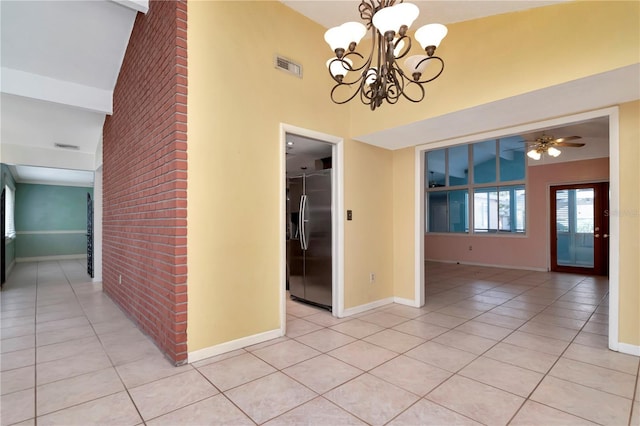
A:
[549,144]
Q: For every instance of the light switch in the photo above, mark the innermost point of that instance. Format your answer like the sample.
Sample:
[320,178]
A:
[349,215]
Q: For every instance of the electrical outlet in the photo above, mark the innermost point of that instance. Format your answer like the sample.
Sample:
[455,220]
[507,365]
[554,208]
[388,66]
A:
[470,248]
[372,277]
[120,279]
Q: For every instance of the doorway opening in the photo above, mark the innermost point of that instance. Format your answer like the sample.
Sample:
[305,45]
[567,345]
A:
[612,145]
[311,256]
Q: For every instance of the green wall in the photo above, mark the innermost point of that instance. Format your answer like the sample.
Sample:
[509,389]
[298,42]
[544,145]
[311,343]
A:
[6,178]
[44,213]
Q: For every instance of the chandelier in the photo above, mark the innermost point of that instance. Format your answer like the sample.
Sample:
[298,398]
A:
[379,77]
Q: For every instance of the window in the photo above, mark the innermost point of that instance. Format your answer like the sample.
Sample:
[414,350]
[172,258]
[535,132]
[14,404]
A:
[448,211]
[9,201]
[481,184]
[499,209]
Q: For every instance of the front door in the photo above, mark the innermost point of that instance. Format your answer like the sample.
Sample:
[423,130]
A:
[580,228]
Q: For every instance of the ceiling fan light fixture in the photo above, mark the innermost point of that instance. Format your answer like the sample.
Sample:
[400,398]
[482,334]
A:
[534,154]
[554,152]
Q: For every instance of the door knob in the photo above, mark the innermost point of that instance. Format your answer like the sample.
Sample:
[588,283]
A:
[597,235]
[605,236]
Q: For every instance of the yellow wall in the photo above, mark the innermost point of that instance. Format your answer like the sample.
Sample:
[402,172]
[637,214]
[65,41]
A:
[505,55]
[237,100]
[629,214]
[404,223]
[369,236]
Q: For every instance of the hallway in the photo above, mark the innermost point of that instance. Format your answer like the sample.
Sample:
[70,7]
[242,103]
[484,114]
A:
[492,346]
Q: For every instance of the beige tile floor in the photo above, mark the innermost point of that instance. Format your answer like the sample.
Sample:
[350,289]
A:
[491,346]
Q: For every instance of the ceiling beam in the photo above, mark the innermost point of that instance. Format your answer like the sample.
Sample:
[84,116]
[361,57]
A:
[35,86]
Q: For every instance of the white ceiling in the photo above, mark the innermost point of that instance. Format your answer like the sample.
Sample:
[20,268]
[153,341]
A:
[331,13]
[60,62]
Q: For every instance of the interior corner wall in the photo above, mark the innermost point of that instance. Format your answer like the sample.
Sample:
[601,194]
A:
[144,180]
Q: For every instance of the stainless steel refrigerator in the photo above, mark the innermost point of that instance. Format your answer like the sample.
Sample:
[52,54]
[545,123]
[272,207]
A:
[309,254]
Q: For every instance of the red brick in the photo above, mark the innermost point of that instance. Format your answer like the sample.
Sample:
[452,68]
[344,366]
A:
[145,179]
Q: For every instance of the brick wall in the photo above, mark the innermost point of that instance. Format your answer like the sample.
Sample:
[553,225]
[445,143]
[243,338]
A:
[145,180]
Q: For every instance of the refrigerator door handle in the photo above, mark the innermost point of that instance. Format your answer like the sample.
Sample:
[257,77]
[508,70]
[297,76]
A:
[303,221]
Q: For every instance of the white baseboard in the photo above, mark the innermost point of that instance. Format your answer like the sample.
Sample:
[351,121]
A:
[489,265]
[626,348]
[50,258]
[407,302]
[233,345]
[363,308]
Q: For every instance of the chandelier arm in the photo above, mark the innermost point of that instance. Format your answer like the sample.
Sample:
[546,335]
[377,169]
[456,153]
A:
[436,58]
[353,95]
[406,49]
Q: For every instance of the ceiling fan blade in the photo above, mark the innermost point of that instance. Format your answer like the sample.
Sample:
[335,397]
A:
[567,138]
[569,144]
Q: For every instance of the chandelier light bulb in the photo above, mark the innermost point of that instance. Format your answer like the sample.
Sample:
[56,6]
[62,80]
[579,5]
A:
[355,31]
[554,152]
[534,154]
[339,67]
[430,36]
[414,65]
[372,75]
[391,19]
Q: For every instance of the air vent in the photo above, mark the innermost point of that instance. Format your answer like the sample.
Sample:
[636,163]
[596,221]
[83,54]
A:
[288,65]
[66,146]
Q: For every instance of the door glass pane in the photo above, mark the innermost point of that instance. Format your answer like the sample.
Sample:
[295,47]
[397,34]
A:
[574,227]
[436,168]
[484,162]
[459,165]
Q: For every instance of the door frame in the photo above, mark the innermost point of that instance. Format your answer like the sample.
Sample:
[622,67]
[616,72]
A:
[600,254]
[337,220]
[614,204]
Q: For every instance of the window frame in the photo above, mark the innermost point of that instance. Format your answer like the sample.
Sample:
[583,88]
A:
[471,189]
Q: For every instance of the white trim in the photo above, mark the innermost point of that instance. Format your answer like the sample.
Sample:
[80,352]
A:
[337,220]
[614,202]
[51,258]
[71,231]
[408,302]
[419,279]
[614,228]
[626,348]
[366,307]
[233,345]
[489,265]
